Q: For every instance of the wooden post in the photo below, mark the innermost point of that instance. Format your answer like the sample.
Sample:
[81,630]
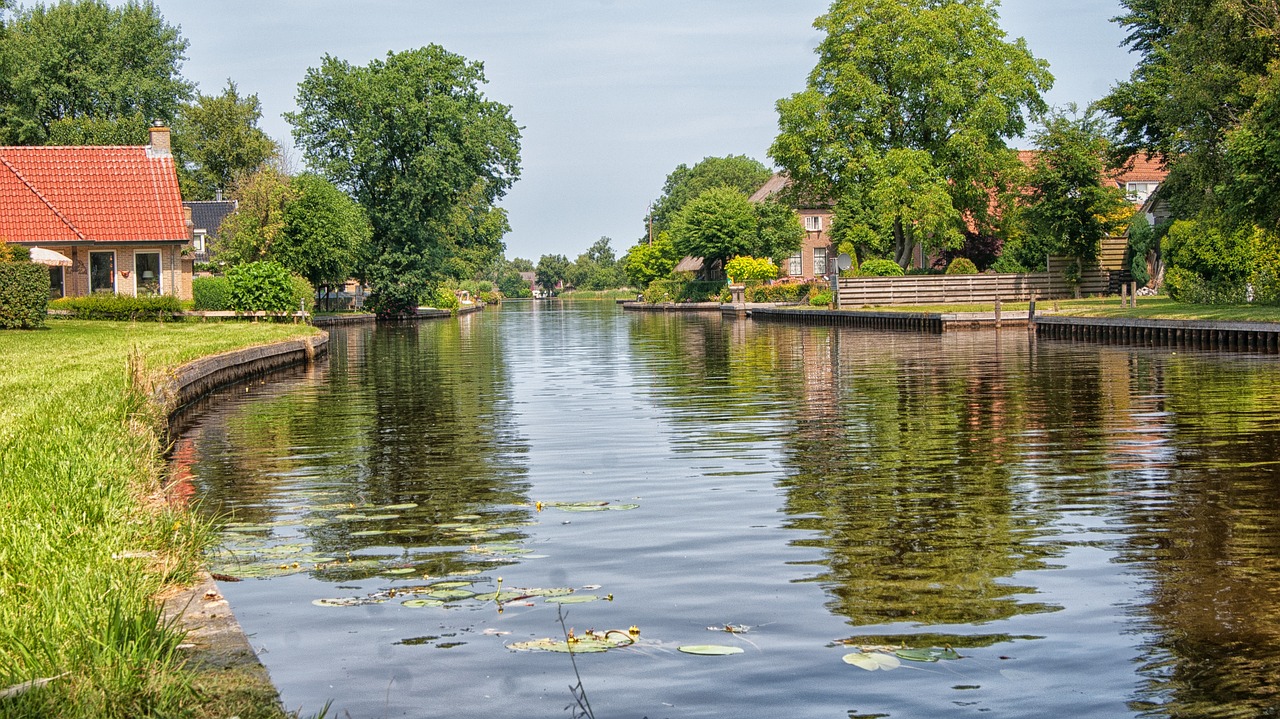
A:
[997,312]
[1133,296]
[1124,294]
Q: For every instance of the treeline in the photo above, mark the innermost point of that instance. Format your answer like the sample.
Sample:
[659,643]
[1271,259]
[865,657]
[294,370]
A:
[411,181]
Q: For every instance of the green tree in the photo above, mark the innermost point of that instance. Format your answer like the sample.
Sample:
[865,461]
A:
[905,118]
[1069,208]
[520,264]
[552,270]
[84,60]
[417,143]
[719,224]
[646,262]
[219,142]
[259,220]
[597,268]
[686,183]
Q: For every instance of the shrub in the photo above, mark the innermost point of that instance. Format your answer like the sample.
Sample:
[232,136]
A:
[304,295]
[744,269]
[881,268]
[1009,264]
[962,266]
[24,295]
[107,306]
[788,292]
[211,294]
[260,287]
[491,297]
[1183,285]
[444,298]
[820,299]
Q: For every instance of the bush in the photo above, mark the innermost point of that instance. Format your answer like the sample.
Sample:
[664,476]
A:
[444,298]
[881,268]
[744,269]
[962,266]
[211,294]
[1009,264]
[788,292]
[304,295]
[24,295]
[820,299]
[107,306]
[261,287]
[492,297]
[1183,285]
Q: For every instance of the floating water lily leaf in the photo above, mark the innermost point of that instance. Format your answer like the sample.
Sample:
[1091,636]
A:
[467,517]
[592,507]
[415,603]
[451,595]
[872,661]
[547,592]
[398,507]
[926,655]
[709,650]
[450,585]
[381,517]
[505,595]
[593,643]
[401,570]
[573,599]
[348,601]
[348,517]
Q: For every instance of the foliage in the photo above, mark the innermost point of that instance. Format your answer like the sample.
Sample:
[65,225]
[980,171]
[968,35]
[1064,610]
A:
[1201,97]
[1069,207]
[107,306]
[820,299]
[880,268]
[263,286]
[211,294]
[597,269]
[685,184]
[684,289]
[962,266]
[219,141]
[779,232]
[718,224]
[302,294]
[1205,248]
[13,253]
[1142,240]
[84,60]
[785,292]
[512,284]
[304,223]
[905,118]
[1009,263]
[415,141]
[96,130]
[646,262]
[24,293]
[743,268]
[444,298]
[552,271]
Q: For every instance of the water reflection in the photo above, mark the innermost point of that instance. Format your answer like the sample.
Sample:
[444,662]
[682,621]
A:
[1094,528]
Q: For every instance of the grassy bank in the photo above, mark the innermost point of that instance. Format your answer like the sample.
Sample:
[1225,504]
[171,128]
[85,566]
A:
[1148,308]
[86,540]
[619,294]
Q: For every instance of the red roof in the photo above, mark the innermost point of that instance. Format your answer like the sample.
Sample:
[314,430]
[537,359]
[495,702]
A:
[1138,168]
[95,194]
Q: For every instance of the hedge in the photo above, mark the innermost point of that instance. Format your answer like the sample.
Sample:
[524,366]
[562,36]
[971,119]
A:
[211,294]
[158,308]
[24,295]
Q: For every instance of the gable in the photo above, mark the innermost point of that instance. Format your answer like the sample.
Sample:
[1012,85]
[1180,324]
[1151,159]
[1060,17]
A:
[95,194]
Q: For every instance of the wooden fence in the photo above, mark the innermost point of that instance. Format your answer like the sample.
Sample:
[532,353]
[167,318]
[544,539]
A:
[969,289]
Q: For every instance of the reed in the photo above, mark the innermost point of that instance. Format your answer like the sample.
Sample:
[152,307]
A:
[86,540]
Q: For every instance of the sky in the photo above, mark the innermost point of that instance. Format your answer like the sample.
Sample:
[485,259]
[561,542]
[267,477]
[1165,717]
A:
[611,95]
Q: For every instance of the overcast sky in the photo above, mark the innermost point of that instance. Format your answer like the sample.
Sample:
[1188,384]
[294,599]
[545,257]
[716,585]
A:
[612,95]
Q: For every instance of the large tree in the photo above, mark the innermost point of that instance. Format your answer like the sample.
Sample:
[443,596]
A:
[84,61]
[685,184]
[219,141]
[722,223]
[417,143]
[905,118]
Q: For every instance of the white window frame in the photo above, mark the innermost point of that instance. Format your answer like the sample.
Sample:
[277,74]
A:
[813,223]
[825,253]
[200,241]
[159,271]
[115,270]
[795,264]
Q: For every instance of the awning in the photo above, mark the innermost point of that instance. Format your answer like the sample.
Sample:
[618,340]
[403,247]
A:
[41,256]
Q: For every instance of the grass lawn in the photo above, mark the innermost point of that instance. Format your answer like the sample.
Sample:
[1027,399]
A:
[1148,308]
[85,541]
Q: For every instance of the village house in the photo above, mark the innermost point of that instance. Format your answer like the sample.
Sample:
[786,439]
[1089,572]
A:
[206,220]
[817,249]
[105,219]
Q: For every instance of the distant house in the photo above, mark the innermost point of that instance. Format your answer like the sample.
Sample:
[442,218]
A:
[206,218]
[114,213]
[812,260]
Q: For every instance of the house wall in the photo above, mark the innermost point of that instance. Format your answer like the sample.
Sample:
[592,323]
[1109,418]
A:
[175,270]
[813,240]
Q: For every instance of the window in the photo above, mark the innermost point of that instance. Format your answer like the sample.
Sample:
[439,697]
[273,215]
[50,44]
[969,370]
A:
[198,242]
[102,272]
[146,268]
[819,261]
[57,283]
[813,223]
[795,265]
[1140,191]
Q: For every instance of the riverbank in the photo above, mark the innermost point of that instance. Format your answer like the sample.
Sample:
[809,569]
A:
[88,539]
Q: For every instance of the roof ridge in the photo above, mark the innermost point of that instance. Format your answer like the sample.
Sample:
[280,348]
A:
[43,199]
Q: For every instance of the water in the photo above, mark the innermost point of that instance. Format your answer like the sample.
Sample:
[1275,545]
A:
[1094,529]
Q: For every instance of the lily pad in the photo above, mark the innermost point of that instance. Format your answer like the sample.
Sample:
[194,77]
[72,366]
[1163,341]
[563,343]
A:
[451,595]
[505,595]
[348,517]
[398,507]
[592,507]
[710,650]
[594,643]
[450,585]
[926,655]
[415,603]
[871,661]
[400,570]
[573,599]
[347,601]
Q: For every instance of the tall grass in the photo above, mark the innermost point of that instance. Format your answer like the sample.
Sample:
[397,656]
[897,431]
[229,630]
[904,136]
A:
[86,540]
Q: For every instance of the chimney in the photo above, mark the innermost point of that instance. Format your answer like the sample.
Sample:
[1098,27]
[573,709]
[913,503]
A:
[159,144]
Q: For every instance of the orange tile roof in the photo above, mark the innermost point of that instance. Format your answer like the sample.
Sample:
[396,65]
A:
[1138,168]
[95,194]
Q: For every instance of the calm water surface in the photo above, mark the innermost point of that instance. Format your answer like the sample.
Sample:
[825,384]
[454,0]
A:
[1094,529]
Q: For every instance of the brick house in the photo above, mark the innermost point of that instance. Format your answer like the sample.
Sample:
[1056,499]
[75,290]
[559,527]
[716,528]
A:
[811,262]
[114,212]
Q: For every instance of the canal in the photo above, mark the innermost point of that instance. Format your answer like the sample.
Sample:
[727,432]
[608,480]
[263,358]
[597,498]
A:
[1065,529]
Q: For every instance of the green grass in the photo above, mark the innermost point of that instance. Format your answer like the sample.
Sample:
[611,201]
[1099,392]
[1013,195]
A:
[86,540]
[1148,308]
[618,294]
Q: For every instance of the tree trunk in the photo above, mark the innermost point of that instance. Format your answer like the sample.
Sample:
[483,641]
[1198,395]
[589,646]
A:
[902,245]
